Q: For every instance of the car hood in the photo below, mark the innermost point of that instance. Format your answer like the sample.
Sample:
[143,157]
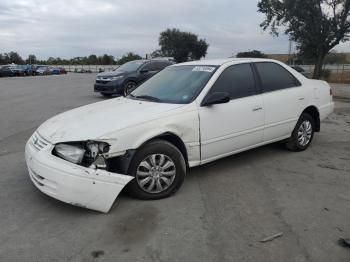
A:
[111,73]
[96,120]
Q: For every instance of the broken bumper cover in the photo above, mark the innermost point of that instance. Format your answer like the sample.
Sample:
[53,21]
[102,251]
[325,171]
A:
[85,187]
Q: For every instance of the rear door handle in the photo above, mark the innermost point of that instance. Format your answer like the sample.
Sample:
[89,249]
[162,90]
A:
[257,109]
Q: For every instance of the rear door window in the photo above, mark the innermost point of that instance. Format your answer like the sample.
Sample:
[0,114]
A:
[152,66]
[275,77]
[162,65]
[237,80]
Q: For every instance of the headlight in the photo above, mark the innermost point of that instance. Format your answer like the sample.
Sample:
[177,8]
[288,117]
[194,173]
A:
[88,154]
[94,155]
[96,148]
[70,153]
[116,78]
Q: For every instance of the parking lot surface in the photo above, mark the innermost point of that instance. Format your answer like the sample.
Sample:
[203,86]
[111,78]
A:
[220,214]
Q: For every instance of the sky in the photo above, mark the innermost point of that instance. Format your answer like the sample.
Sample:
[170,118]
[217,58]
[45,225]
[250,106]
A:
[71,28]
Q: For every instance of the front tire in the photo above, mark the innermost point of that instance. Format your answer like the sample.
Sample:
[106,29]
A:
[303,134]
[159,169]
[129,87]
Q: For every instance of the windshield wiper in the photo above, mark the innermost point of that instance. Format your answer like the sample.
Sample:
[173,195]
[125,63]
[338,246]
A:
[146,97]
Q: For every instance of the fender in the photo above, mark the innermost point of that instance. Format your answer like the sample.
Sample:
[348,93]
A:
[130,78]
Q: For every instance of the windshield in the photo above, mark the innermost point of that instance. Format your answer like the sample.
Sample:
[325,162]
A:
[130,66]
[176,84]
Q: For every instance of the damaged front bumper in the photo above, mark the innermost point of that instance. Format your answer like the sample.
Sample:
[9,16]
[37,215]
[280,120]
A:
[74,184]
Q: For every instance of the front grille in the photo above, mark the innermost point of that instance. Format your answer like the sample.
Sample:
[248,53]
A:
[102,88]
[99,88]
[38,142]
[102,81]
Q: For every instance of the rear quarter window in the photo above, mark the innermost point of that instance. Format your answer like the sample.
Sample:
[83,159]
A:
[275,77]
[161,65]
[152,66]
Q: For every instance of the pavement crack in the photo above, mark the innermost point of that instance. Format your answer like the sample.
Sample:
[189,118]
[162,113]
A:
[332,167]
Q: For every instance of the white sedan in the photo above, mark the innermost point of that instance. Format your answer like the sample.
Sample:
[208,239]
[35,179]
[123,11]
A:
[187,115]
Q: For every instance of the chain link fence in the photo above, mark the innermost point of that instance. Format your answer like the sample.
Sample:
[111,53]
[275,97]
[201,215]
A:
[88,68]
[339,73]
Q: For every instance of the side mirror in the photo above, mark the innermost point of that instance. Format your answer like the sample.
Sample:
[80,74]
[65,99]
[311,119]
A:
[143,71]
[216,98]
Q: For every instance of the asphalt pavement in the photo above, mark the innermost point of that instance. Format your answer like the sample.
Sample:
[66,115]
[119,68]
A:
[220,214]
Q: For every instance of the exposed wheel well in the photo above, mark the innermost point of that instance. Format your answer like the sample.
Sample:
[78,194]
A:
[312,111]
[121,164]
[176,141]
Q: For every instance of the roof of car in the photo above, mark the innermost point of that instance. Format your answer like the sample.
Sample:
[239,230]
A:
[219,62]
[150,60]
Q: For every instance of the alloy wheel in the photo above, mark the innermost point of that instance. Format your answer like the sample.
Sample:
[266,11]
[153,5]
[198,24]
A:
[129,87]
[304,133]
[156,173]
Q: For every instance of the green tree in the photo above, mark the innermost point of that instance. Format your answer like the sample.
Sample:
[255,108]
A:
[317,26]
[199,49]
[54,61]
[92,60]
[252,54]
[31,59]
[157,53]
[77,60]
[128,57]
[183,46]
[4,59]
[13,57]
[107,60]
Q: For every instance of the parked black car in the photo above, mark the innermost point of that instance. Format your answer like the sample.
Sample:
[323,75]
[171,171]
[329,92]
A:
[6,71]
[127,77]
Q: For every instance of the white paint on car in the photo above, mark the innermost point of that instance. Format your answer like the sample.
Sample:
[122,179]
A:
[208,133]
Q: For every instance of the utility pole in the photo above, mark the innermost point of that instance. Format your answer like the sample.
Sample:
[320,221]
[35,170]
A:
[289,51]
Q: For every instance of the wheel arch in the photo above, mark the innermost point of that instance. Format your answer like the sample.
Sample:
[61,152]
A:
[131,79]
[313,111]
[173,139]
[121,163]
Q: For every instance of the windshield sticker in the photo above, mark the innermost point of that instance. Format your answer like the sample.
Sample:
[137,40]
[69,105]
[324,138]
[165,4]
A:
[185,97]
[208,69]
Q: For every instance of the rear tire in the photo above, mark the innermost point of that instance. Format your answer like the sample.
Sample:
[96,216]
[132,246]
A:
[303,134]
[159,169]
